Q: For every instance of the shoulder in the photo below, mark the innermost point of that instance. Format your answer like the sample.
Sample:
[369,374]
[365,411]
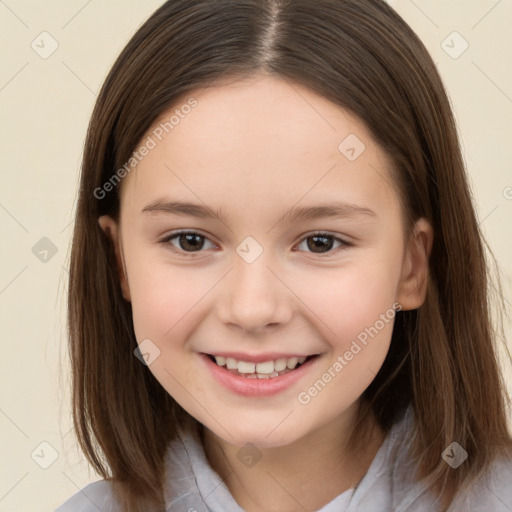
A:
[492,491]
[95,496]
[180,481]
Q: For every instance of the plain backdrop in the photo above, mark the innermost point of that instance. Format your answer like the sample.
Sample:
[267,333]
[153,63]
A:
[45,103]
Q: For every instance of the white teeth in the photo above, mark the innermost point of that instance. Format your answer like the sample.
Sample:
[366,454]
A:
[292,362]
[244,367]
[264,370]
[279,364]
[266,367]
[231,363]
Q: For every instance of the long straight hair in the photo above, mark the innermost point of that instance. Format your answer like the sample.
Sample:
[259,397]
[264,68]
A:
[362,56]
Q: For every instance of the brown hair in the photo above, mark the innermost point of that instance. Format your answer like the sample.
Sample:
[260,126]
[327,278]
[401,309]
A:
[361,55]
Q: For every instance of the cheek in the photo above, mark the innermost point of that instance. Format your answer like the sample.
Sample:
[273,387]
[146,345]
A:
[166,308]
[348,300]
[163,296]
[155,304]
[360,315]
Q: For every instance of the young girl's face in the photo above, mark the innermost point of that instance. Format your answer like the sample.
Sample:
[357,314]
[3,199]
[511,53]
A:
[267,165]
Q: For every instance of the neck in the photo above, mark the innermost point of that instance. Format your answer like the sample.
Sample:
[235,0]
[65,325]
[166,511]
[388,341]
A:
[303,475]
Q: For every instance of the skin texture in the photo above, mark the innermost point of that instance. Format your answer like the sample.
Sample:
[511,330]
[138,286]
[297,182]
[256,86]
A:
[254,149]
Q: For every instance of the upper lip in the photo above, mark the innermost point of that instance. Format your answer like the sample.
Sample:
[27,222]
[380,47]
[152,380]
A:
[257,358]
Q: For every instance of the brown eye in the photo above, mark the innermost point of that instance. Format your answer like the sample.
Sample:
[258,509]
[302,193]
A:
[319,243]
[191,242]
[322,243]
[187,241]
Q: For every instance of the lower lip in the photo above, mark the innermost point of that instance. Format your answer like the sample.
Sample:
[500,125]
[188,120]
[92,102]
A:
[256,387]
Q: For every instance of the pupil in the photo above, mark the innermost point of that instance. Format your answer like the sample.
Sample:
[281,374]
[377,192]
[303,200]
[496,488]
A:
[193,241]
[319,243]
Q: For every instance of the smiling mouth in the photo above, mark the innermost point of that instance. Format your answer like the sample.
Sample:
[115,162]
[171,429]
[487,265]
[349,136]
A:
[264,370]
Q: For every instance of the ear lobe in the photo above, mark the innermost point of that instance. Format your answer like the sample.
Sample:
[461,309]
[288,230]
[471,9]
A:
[111,228]
[413,285]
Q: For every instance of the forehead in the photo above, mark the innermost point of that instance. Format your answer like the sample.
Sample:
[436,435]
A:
[258,142]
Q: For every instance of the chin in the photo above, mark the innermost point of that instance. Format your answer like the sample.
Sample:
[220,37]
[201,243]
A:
[261,436]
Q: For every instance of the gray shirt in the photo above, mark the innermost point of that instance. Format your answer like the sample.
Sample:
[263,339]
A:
[193,486]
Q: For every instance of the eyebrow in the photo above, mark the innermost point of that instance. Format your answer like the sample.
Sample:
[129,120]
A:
[295,214]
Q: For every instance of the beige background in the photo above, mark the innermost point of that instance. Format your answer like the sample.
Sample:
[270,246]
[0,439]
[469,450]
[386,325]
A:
[45,106]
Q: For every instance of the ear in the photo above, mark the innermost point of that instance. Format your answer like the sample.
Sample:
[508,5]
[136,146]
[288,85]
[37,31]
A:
[111,228]
[413,284]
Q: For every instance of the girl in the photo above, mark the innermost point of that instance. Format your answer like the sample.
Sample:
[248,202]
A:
[278,295]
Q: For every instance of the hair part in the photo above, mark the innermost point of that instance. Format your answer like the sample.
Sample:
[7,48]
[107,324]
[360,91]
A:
[362,56]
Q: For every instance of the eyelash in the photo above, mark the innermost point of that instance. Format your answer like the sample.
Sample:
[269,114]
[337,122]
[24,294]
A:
[343,243]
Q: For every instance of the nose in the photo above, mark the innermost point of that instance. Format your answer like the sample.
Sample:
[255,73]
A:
[255,297]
